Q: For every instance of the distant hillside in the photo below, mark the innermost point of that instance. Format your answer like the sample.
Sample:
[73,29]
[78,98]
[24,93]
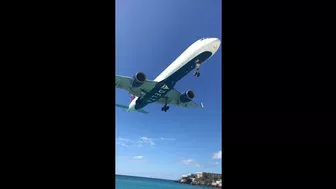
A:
[202,178]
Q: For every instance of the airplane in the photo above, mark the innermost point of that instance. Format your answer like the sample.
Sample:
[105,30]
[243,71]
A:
[161,89]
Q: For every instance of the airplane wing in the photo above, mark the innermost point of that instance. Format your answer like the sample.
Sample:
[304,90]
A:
[125,83]
[174,98]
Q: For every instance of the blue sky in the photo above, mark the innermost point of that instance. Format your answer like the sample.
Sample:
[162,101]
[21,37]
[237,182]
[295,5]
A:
[151,34]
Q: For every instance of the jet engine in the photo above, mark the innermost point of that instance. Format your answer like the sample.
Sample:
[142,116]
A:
[187,96]
[138,79]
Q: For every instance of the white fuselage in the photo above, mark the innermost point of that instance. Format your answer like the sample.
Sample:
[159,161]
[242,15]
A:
[200,46]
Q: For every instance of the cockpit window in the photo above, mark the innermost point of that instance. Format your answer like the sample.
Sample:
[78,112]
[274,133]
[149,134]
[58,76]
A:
[203,39]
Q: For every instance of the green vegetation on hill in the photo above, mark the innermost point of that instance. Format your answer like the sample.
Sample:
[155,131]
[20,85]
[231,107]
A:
[204,179]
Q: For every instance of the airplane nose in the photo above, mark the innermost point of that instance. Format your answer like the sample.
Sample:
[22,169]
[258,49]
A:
[216,43]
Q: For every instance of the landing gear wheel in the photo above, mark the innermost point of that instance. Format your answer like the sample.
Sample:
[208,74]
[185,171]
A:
[197,74]
[165,108]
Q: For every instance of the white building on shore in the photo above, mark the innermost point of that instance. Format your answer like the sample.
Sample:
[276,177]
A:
[199,174]
[187,175]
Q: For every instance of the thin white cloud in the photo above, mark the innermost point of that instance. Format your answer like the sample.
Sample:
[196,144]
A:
[198,165]
[123,144]
[124,139]
[162,138]
[195,163]
[147,140]
[210,164]
[140,143]
[187,161]
[138,157]
[217,155]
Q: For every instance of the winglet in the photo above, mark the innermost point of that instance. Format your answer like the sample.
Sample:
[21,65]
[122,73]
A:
[202,105]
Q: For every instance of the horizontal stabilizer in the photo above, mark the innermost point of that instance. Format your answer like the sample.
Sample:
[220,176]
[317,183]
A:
[126,107]
[122,106]
[143,111]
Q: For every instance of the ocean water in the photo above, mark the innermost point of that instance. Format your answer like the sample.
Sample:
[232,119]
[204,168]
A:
[130,182]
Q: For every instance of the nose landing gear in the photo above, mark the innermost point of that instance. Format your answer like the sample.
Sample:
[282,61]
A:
[165,107]
[196,73]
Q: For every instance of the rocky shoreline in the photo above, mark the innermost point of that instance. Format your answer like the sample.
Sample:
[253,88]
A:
[203,179]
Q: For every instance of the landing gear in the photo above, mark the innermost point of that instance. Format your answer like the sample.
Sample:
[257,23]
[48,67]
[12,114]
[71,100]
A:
[165,107]
[196,73]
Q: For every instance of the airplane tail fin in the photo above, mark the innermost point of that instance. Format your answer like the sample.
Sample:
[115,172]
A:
[126,107]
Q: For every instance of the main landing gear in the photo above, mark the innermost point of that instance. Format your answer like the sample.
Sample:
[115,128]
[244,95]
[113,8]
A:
[196,73]
[165,107]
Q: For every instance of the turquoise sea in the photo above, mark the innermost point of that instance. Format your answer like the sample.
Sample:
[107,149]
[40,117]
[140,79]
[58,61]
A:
[130,182]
